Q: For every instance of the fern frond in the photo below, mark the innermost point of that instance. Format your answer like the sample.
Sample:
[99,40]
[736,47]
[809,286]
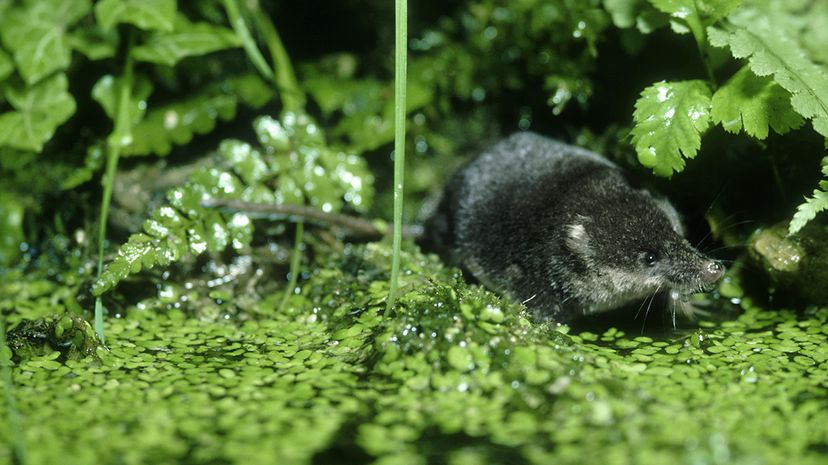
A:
[292,165]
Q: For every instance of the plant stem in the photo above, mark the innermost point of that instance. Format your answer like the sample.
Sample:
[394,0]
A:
[401,42]
[293,99]
[120,134]
[241,30]
[18,446]
[295,262]
[696,26]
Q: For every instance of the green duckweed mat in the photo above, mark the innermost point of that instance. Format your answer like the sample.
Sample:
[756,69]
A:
[454,376]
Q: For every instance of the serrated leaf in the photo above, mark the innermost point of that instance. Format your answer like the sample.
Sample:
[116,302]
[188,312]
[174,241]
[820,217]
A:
[771,51]
[813,205]
[753,102]
[177,123]
[36,34]
[6,65]
[718,37]
[247,161]
[293,157]
[187,39]
[170,234]
[669,120]
[314,173]
[146,14]
[39,110]
[108,88]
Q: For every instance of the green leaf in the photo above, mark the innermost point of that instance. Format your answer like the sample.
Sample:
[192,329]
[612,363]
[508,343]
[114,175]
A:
[92,163]
[711,10]
[815,33]
[36,33]
[771,51]
[177,122]
[146,14]
[718,9]
[635,13]
[293,157]
[6,65]
[680,11]
[813,205]
[693,15]
[753,102]
[94,42]
[108,88]
[187,39]
[11,227]
[669,120]
[312,172]
[366,105]
[39,110]
[623,12]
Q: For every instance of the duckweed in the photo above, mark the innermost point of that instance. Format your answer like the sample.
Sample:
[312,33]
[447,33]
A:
[454,375]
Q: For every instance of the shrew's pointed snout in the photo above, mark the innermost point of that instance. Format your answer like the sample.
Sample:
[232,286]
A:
[712,271]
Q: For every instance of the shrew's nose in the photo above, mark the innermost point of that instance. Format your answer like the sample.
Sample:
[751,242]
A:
[712,271]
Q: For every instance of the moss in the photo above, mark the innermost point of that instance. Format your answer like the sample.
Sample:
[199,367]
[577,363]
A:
[454,375]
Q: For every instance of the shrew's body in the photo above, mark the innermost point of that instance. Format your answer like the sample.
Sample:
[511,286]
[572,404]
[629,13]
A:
[561,229]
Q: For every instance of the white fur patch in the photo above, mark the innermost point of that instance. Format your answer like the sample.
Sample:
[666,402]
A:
[577,239]
[618,287]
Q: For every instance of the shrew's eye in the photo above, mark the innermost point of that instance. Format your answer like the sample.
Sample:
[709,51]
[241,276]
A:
[649,258]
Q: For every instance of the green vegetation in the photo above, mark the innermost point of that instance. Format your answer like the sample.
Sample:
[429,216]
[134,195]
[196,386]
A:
[453,375]
[232,338]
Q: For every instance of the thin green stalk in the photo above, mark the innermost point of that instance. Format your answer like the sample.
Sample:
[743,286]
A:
[401,14]
[699,32]
[114,142]
[295,262]
[293,99]
[15,425]
[240,27]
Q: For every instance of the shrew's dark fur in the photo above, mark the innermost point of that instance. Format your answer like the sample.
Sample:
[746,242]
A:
[561,229]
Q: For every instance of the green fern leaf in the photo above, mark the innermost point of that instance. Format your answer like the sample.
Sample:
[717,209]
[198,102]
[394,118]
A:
[294,157]
[669,120]
[813,205]
[176,123]
[771,51]
[754,103]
